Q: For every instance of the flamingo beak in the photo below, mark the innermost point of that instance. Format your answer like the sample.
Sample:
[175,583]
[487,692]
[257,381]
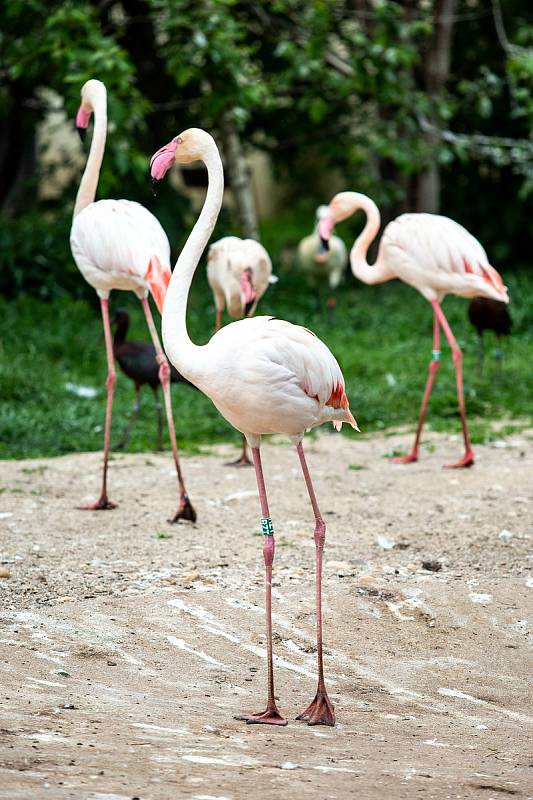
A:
[161,162]
[82,122]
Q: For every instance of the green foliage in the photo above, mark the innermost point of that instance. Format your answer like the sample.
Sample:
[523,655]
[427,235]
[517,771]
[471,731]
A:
[381,336]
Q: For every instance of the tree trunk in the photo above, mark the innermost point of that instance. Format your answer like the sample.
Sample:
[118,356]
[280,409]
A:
[436,73]
[239,178]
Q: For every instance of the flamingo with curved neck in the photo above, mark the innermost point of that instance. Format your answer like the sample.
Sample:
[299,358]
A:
[435,255]
[118,244]
[265,376]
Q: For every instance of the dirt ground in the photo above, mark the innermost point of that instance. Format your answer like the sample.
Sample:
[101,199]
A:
[128,644]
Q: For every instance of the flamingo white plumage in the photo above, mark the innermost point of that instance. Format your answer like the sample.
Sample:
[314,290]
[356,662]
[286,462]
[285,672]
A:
[263,374]
[118,244]
[322,260]
[239,272]
[435,255]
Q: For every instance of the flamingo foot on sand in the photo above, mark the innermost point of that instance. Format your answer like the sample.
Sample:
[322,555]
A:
[320,711]
[466,461]
[270,716]
[408,459]
[103,504]
[185,511]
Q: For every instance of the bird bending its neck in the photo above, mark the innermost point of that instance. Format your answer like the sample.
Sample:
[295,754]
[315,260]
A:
[94,98]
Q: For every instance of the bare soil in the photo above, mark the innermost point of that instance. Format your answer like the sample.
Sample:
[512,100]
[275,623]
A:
[128,644]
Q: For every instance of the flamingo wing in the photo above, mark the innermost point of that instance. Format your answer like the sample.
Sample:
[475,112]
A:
[440,254]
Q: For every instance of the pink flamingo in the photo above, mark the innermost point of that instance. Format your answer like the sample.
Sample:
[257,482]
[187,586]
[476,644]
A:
[238,272]
[118,244]
[436,256]
[264,375]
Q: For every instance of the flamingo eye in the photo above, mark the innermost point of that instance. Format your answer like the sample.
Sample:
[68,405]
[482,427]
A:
[178,140]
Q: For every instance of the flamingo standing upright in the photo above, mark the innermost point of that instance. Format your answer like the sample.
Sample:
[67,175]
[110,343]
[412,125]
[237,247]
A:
[433,254]
[118,244]
[239,272]
[323,260]
[264,375]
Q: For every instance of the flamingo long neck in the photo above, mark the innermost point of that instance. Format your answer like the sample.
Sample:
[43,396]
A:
[89,181]
[184,354]
[368,273]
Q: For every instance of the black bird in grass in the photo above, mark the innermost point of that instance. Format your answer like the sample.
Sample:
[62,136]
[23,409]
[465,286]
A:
[490,315]
[137,361]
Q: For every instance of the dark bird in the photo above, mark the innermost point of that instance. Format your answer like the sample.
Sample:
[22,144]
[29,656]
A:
[137,360]
[486,314]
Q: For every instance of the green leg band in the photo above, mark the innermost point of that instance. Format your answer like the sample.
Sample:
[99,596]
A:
[266,526]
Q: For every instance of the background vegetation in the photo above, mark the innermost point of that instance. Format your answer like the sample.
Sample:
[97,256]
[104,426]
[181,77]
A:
[423,104]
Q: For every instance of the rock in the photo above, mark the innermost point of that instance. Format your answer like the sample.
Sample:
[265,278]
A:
[432,566]
[4,572]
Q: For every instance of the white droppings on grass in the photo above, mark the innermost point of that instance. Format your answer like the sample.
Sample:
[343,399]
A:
[456,693]
[289,765]
[481,598]
[219,632]
[81,391]
[187,648]
[435,743]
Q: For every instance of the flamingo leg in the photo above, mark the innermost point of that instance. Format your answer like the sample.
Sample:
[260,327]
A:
[243,460]
[468,459]
[218,320]
[320,711]
[433,368]
[481,356]
[271,715]
[498,355]
[103,503]
[185,508]
[159,414]
[132,420]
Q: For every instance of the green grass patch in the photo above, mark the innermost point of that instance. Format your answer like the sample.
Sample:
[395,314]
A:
[49,350]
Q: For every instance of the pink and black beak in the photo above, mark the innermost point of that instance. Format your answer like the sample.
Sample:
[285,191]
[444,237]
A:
[248,291]
[161,162]
[325,228]
[82,122]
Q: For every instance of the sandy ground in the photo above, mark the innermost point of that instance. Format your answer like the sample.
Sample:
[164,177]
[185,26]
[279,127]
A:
[128,644]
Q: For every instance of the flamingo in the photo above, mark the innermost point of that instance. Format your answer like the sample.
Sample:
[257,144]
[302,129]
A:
[490,315]
[118,244]
[433,254]
[265,376]
[239,272]
[323,260]
[137,360]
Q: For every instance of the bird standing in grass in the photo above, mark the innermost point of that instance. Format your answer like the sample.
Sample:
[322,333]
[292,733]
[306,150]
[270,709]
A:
[138,361]
[323,261]
[118,244]
[239,272]
[264,375]
[487,314]
[434,255]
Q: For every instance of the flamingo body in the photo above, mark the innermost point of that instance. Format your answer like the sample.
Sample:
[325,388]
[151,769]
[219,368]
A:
[226,261]
[113,241]
[438,256]
[274,377]
[321,265]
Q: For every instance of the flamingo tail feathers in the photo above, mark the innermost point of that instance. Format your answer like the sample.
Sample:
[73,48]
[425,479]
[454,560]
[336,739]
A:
[157,278]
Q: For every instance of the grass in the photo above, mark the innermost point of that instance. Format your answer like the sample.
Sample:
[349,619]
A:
[381,336]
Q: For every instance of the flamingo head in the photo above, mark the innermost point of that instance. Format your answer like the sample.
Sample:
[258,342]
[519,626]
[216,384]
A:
[188,146]
[249,294]
[90,91]
[324,227]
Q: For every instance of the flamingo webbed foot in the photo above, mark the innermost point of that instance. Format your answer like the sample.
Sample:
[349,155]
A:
[467,460]
[410,458]
[243,461]
[103,504]
[270,716]
[320,711]
[185,511]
